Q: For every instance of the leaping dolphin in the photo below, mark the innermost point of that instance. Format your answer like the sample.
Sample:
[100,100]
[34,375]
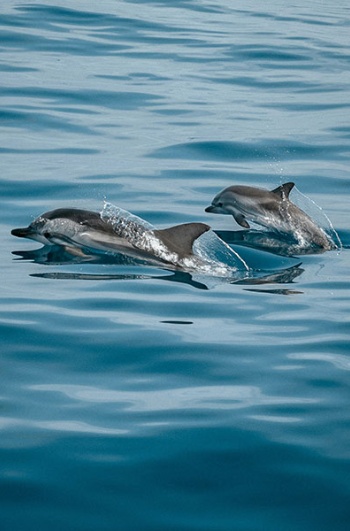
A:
[77,230]
[273,210]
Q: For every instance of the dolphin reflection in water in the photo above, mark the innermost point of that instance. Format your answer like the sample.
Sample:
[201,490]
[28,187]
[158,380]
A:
[274,211]
[57,255]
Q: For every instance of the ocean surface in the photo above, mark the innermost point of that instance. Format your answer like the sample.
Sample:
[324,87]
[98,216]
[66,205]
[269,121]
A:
[134,397]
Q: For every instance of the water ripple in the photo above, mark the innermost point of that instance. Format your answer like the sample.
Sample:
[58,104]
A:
[239,151]
[139,400]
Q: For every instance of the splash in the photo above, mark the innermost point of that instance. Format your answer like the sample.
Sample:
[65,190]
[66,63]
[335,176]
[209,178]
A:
[318,215]
[137,231]
[301,227]
[211,256]
[213,249]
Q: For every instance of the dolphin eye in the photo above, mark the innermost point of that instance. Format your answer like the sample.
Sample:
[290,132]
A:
[46,235]
[220,204]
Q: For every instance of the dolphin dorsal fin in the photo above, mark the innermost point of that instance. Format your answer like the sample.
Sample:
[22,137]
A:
[284,190]
[180,238]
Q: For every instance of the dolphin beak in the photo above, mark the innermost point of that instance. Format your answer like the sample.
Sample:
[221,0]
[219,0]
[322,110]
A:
[25,232]
[210,208]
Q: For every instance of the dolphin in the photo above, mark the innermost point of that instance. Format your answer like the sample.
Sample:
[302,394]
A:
[273,210]
[77,230]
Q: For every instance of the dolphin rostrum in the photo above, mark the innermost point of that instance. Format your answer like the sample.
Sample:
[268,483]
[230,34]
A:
[271,209]
[77,230]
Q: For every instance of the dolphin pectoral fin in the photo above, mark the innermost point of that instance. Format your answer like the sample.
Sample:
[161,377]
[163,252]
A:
[180,238]
[284,190]
[241,220]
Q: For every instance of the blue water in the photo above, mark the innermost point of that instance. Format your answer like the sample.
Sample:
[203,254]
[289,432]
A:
[134,398]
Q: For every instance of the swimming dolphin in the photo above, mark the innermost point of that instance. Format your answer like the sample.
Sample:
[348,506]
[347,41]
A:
[271,209]
[76,230]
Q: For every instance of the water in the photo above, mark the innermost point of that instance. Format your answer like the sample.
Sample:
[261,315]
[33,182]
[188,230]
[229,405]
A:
[132,397]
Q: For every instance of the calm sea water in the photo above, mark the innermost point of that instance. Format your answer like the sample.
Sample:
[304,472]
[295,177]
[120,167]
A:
[130,401]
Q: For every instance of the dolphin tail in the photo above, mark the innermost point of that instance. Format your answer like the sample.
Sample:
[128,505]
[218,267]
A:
[181,237]
[284,190]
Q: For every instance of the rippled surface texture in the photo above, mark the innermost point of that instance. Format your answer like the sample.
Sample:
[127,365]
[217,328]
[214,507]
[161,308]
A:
[134,398]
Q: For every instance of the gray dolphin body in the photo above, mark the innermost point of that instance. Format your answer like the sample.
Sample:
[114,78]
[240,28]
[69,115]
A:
[271,209]
[77,230]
